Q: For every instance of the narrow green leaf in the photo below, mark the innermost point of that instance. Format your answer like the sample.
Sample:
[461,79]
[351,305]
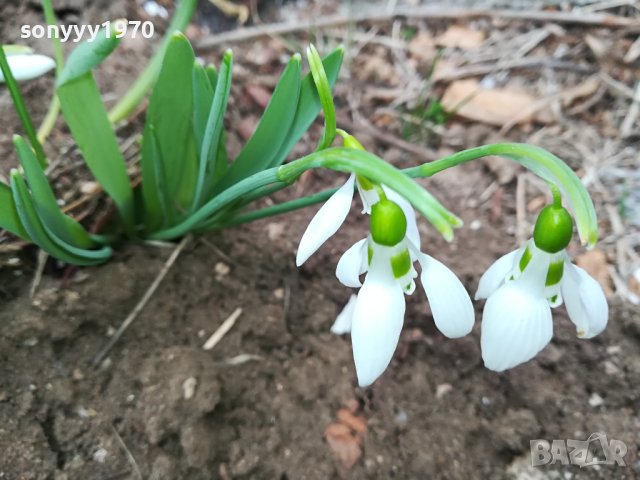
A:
[157,211]
[44,238]
[212,75]
[272,131]
[202,98]
[127,103]
[210,162]
[86,116]
[60,224]
[169,120]
[308,105]
[9,218]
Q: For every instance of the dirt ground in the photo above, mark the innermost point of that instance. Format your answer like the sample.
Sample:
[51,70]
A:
[277,397]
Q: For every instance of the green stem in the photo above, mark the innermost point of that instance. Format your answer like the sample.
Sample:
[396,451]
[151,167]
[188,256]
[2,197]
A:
[54,106]
[138,90]
[218,202]
[544,164]
[276,209]
[21,108]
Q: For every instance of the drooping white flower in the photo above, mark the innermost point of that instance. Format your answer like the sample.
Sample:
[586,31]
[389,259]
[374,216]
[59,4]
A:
[376,315]
[27,65]
[522,287]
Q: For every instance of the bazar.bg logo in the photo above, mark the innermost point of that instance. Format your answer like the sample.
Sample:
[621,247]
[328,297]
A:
[75,33]
[595,450]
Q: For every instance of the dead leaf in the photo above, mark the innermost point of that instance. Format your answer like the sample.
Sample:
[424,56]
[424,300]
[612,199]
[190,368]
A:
[344,444]
[595,263]
[495,106]
[422,47]
[461,37]
[355,422]
[259,95]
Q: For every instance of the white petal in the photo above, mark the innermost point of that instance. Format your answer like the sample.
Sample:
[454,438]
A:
[516,325]
[585,301]
[344,319]
[412,226]
[377,322]
[497,272]
[368,197]
[352,264]
[326,222]
[450,303]
[28,66]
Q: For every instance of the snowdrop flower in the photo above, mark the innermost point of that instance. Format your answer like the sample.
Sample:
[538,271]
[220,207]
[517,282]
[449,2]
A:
[387,255]
[334,212]
[26,65]
[522,286]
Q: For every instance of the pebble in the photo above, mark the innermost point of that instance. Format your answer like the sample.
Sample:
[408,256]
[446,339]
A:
[595,400]
[279,293]
[222,269]
[189,387]
[100,455]
[443,389]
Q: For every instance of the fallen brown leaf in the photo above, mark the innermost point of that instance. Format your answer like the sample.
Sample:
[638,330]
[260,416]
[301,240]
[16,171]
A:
[422,47]
[259,95]
[344,444]
[495,106]
[461,37]
[595,263]
[355,422]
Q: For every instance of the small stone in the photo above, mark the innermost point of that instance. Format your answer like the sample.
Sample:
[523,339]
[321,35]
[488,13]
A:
[611,368]
[596,400]
[475,225]
[14,262]
[110,331]
[222,269]
[275,230]
[279,293]
[443,389]
[30,342]
[100,455]
[189,388]
[90,188]
[106,363]
[77,374]
[131,398]
[614,349]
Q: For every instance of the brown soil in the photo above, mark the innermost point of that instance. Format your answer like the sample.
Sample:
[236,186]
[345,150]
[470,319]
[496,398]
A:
[257,406]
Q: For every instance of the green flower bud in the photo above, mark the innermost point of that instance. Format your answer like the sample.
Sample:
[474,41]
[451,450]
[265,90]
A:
[351,142]
[388,223]
[553,229]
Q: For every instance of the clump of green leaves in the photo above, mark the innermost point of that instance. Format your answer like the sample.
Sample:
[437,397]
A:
[183,152]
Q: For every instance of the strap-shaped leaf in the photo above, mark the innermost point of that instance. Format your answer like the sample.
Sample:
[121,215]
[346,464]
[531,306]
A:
[308,105]
[169,120]
[210,161]
[272,131]
[43,237]
[62,225]
[202,98]
[86,116]
[9,218]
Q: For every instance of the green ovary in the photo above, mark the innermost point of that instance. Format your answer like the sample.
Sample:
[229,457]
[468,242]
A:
[401,264]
